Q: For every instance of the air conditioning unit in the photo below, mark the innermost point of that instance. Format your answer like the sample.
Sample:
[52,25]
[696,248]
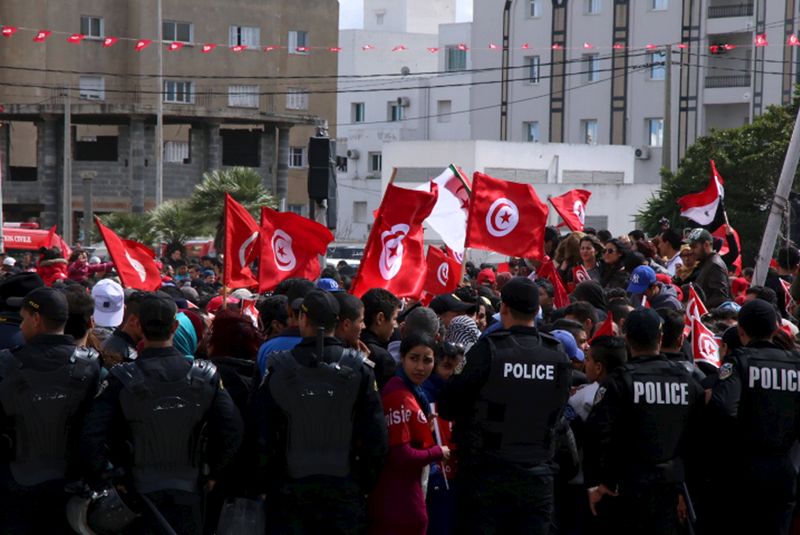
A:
[353,154]
[642,153]
[403,102]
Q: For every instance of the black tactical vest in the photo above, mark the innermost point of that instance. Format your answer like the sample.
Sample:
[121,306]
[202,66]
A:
[660,397]
[520,404]
[319,404]
[768,409]
[166,421]
[42,405]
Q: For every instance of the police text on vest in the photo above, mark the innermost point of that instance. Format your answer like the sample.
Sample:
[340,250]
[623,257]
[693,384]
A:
[660,393]
[774,379]
[542,372]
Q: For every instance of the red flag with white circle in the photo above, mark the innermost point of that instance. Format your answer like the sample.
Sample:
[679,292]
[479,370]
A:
[506,217]
[704,344]
[571,206]
[241,245]
[395,250]
[444,272]
[290,247]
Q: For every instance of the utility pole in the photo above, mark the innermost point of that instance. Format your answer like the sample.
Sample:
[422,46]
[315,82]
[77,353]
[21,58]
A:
[779,203]
[504,73]
[666,142]
[160,113]
[66,207]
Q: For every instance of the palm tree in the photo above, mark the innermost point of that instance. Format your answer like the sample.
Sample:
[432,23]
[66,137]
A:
[173,224]
[207,203]
[130,226]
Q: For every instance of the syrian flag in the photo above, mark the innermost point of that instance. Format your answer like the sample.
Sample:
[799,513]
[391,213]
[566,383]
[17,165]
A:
[706,208]
[571,206]
[241,245]
[704,345]
[449,217]
[290,247]
[395,252]
[547,270]
[135,262]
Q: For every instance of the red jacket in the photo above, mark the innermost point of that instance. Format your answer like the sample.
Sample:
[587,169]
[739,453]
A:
[397,505]
[52,270]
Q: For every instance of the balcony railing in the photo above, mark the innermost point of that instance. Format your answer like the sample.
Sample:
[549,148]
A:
[736,80]
[737,10]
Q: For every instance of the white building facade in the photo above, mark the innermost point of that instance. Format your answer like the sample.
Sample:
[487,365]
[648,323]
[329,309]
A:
[410,42]
[592,71]
[609,172]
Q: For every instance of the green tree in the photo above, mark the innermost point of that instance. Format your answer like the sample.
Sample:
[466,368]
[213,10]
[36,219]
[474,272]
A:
[207,203]
[174,224]
[139,227]
[748,158]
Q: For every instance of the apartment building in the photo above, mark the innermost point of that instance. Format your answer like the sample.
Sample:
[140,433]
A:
[592,71]
[245,99]
[422,93]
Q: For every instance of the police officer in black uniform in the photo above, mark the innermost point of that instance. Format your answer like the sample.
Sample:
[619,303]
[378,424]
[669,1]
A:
[46,386]
[163,405]
[506,405]
[757,400]
[321,428]
[644,414]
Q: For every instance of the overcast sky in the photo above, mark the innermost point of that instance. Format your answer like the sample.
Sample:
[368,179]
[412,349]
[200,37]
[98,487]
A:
[351,13]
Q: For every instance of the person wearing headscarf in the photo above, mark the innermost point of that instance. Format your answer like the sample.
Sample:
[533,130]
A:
[185,339]
[462,330]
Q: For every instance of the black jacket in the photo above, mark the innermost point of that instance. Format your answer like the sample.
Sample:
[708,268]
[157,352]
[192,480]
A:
[712,277]
[106,432]
[267,425]
[46,353]
[385,365]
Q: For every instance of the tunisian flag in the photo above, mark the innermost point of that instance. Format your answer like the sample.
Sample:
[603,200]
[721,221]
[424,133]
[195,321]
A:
[135,262]
[54,240]
[571,206]
[290,245]
[444,272]
[241,245]
[506,217]
[705,207]
[704,345]
[394,255]
[548,271]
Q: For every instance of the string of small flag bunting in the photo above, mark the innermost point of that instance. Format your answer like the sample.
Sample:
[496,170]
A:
[41,36]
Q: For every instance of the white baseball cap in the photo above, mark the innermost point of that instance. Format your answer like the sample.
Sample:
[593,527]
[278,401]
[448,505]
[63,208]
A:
[9,261]
[109,303]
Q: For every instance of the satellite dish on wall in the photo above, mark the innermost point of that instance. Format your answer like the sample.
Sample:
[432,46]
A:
[405,71]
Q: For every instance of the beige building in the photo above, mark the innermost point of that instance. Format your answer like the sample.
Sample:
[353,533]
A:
[254,107]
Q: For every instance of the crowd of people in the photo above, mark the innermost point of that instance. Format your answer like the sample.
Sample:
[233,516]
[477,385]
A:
[492,409]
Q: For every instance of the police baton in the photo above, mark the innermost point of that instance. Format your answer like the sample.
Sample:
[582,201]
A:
[690,512]
[159,518]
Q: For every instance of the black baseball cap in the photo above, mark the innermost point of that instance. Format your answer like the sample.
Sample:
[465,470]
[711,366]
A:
[15,287]
[758,319]
[157,310]
[322,308]
[643,327]
[48,302]
[700,235]
[521,294]
[449,302]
